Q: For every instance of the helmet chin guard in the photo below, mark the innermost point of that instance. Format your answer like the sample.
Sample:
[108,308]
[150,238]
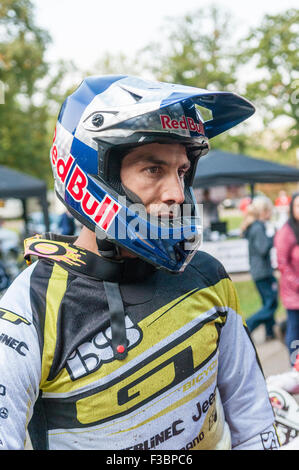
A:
[102,121]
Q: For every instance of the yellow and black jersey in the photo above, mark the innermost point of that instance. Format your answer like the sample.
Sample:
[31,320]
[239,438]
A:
[190,378]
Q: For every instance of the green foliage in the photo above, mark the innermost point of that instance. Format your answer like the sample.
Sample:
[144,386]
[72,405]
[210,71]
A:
[263,66]
[193,54]
[272,49]
[118,64]
[23,119]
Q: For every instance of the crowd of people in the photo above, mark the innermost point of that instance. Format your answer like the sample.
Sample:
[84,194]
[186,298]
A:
[286,244]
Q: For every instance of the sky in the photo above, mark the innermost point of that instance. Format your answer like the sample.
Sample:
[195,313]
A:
[83,30]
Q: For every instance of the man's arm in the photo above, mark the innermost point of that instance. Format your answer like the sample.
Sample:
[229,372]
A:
[242,386]
[20,363]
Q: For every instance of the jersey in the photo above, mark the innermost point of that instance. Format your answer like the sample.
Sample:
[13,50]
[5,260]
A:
[190,379]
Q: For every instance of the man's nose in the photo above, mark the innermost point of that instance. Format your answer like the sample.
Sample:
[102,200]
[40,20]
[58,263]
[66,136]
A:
[173,191]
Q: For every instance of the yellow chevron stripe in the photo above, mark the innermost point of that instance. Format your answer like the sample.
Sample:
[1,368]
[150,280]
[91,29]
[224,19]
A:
[55,292]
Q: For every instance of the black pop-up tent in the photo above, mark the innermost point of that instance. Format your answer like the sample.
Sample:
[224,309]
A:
[219,168]
[14,184]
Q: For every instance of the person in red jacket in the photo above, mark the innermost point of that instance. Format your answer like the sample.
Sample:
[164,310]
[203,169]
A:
[287,248]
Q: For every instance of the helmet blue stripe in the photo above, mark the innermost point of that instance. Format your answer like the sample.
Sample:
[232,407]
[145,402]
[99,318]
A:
[85,156]
[72,109]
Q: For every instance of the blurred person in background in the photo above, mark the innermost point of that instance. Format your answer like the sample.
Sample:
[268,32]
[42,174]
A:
[282,205]
[4,277]
[67,224]
[283,199]
[210,209]
[287,249]
[259,248]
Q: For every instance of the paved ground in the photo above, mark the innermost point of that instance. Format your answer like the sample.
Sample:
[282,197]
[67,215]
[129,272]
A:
[273,355]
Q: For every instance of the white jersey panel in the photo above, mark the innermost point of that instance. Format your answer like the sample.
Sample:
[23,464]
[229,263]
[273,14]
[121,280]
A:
[20,362]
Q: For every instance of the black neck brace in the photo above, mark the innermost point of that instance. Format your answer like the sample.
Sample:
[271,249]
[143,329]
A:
[103,267]
[121,270]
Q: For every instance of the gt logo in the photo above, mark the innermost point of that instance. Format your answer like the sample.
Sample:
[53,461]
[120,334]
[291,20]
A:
[154,376]
[12,317]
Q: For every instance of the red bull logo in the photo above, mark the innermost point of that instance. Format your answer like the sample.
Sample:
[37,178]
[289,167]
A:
[183,123]
[101,212]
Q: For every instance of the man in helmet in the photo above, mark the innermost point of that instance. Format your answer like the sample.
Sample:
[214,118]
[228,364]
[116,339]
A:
[126,337]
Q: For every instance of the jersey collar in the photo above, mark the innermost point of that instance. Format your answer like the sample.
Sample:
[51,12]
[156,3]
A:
[62,250]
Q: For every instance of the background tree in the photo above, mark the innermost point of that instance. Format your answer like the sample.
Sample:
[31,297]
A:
[202,49]
[24,133]
[272,51]
[195,50]
[118,63]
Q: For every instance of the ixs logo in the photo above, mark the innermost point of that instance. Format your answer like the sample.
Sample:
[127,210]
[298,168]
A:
[91,355]
[101,212]
[183,123]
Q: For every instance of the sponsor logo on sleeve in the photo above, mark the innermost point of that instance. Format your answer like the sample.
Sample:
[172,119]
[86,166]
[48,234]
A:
[13,343]
[12,317]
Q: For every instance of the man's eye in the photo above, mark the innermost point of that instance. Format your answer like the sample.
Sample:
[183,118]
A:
[153,170]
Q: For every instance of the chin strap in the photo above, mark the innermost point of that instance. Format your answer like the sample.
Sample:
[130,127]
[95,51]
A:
[127,270]
[115,304]
[107,249]
[117,320]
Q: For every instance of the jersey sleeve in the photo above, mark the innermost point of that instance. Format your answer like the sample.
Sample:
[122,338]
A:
[20,362]
[242,386]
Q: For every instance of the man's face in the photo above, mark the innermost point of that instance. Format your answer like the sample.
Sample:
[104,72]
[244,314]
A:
[155,173]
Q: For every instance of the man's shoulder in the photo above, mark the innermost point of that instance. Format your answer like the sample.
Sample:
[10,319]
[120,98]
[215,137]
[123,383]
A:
[208,266]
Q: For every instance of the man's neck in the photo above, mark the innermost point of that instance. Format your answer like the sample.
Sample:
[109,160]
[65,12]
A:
[87,240]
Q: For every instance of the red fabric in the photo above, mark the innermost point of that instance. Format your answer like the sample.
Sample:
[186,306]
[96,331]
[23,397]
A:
[288,264]
[283,201]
